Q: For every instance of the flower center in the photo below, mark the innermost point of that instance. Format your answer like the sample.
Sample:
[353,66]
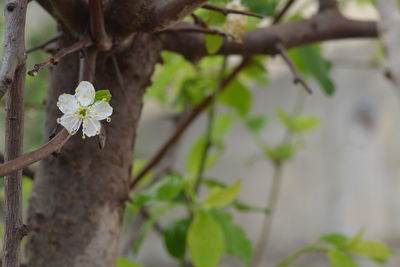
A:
[82,112]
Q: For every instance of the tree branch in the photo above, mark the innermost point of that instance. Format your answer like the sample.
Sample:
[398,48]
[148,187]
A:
[389,31]
[14,52]
[28,172]
[185,124]
[100,36]
[296,75]
[13,82]
[227,11]
[60,54]
[46,150]
[128,16]
[328,25]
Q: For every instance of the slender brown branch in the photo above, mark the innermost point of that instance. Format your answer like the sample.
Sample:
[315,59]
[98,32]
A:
[283,11]
[46,43]
[13,82]
[227,11]
[297,78]
[185,124]
[28,172]
[60,54]
[100,36]
[46,150]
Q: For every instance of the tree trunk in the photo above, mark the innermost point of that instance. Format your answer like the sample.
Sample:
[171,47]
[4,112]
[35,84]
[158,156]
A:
[77,204]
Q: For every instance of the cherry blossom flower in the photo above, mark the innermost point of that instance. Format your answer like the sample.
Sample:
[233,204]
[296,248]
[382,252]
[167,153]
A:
[81,109]
[236,24]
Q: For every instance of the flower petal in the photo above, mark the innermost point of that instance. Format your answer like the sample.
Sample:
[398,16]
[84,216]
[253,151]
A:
[91,127]
[67,104]
[100,110]
[71,122]
[85,93]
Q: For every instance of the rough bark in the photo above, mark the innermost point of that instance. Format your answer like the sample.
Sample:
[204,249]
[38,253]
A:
[13,182]
[77,204]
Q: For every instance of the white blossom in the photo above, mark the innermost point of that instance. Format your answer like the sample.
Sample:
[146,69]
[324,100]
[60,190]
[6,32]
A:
[80,109]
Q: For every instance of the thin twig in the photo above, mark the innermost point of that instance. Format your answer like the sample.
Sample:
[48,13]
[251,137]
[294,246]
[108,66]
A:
[62,53]
[185,124]
[46,150]
[263,238]
[210,127]
[100,36]
[283,11]
[193,30]
[46,43]
[296,75]
[227,11]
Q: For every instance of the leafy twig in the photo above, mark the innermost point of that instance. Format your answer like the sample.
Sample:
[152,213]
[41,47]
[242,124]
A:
[210,127]
[185,124]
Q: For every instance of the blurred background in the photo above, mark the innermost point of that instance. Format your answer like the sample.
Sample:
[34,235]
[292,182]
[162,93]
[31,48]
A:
[345,177]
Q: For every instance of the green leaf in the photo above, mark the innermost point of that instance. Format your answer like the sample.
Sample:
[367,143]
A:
[237,244]
[195,89]
[104,95]
[205,240]
[196,153]
[213,43]
[165,190]
[256,123]
[175,238]
[339,240]
[281,153]
[256,71]
[375,250]
[266,7]
[338,258]
[302,124]
[243,207]
[222,125]
[221,197]
[309,61]
[122,262]
[238,97]
[299,123]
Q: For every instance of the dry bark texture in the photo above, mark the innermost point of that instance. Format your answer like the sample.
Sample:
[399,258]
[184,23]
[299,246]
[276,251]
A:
[77,204]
